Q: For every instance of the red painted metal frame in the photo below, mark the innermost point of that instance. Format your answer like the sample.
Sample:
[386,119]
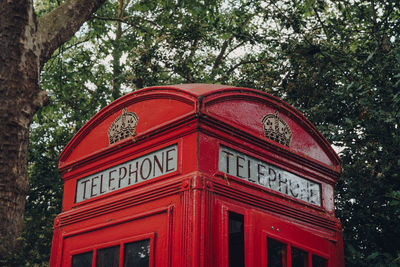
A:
[118,242]
[186,212]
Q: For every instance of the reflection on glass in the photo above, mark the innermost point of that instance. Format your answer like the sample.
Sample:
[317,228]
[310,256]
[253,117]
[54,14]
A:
[108,257]
[276,253]
[82,260]
[318,261]
[299,257]
[137,253]
[236,240]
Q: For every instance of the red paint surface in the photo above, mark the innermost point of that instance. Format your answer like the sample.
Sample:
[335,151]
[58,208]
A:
[185,212]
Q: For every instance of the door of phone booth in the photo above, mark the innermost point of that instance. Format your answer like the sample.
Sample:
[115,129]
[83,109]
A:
[198,175]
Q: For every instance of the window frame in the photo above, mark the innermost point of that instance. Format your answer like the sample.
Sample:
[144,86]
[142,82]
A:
[224,208]
[289,244]
[121,243]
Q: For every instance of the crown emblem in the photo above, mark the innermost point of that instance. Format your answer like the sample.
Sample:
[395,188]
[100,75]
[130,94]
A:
[123,126]
[276,129]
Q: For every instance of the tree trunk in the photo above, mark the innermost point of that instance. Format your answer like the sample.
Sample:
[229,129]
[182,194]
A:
[25,45]
[19,86]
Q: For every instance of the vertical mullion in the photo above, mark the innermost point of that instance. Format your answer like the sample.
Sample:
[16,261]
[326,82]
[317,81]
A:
[121,254]
[266,251]
[288,255]
[151,251]
[94,258]
[309,259]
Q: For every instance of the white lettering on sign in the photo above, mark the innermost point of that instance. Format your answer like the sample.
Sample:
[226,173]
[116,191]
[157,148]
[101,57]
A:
[259,172]
[138,170]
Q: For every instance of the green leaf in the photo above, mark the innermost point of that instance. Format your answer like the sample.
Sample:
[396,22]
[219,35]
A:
[373,256]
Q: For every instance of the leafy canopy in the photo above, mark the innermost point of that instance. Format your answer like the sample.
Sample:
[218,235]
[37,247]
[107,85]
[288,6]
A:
[338,62]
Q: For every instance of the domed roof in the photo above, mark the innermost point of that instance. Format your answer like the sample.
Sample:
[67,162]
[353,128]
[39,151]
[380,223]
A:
[152,110]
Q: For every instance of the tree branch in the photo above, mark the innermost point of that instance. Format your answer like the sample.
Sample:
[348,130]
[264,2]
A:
[107,18]
[225,45]
[237,65]
[322,23]
[221,54]
[58,26]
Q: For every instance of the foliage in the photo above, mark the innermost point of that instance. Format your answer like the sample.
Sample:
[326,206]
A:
[344,73]
[338,62]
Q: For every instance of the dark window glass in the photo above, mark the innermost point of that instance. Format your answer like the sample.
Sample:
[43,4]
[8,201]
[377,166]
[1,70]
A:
[276,253]
[236,240]
[137,254]
[108,257]
[318,261]
[299,257]
[82,260]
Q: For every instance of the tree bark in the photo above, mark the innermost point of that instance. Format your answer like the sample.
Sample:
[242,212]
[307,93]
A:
[25,45]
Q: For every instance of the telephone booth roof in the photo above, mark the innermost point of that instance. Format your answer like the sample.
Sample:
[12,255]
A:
[163,108]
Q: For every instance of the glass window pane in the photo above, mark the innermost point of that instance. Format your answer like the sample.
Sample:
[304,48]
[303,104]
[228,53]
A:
[299,257]
[318,261]
[108,257]
[82,260]
[276,253]
[137,253]
[236,240]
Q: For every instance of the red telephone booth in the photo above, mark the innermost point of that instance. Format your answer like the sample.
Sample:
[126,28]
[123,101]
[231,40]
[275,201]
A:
[198,175]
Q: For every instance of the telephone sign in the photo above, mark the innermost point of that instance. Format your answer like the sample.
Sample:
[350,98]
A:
[260,172]
[138,170]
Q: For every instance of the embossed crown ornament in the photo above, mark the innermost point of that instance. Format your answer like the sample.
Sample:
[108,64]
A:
[276,129]
[123,126]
